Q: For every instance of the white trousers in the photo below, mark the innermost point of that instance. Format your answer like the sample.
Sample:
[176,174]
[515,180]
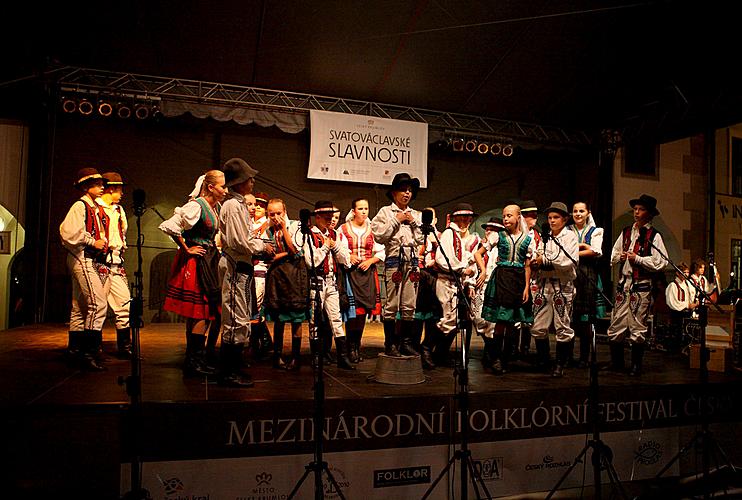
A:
[236,302]
[483,327]
[631,312]
[89,294]
[401,294]
[552,305]
[330,299]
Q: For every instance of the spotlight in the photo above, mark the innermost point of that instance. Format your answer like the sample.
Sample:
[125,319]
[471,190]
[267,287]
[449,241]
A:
[104,108]
[141,111]
[156,113]
[69,105]
[483,148]
[507,150]
[123,111]
[85,107]
[471,145]
[496,149]
[458,144]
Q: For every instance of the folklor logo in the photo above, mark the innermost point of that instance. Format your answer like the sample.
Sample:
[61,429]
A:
[342,482]
[649,453]
[548,462]
[490,469]
[401,477]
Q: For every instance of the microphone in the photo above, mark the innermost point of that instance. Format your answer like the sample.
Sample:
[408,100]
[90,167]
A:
[304,215]
[139,195]
[427,221]
[545,232]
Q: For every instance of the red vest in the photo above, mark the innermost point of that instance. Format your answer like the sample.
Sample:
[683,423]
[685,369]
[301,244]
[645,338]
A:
[641,249]
[365,243]
[318,241]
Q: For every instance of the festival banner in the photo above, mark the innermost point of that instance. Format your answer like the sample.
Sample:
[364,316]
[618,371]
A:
[368,149]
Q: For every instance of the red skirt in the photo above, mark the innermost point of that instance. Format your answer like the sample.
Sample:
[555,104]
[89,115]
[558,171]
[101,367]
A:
[184,295]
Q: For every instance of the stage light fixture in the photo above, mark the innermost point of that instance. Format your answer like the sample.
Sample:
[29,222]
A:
[471,145]
[85,107]
[507,150]
[483,148]
[495,149]
[123,111]
[105,108]
[156,113]
[458,144]
[69,105]
[141,111]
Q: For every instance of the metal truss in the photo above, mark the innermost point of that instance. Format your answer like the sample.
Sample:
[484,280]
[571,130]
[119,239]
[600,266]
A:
[84,80]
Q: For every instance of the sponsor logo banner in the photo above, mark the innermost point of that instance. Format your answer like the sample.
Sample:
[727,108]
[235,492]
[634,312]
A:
[398,477]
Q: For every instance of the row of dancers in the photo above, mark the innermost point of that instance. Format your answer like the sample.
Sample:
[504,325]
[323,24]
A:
[241,262]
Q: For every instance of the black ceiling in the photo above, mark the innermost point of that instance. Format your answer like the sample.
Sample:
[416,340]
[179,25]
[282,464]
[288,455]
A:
[664,68]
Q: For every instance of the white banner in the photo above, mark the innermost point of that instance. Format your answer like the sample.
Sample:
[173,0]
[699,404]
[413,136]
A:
[357,148]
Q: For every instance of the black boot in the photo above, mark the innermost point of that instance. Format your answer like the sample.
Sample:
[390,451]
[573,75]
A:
[583,331]
[123,343]
[89,346]
[390,338]
[406,347]
[637,355]
[73,345]
[426,349]
[486,357]
[352,335]
[341,345]
[278,362]
[510,341]
[329,359]
[266,342]
[563,355]
[442,350]
[230,357]
[543,357]
[295,354]
[525,341]
[617,361]
[495,352]
[195,362]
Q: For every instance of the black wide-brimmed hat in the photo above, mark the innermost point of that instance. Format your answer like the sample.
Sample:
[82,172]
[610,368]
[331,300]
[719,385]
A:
[558,207]
[112,179]
[324,207]
[237,171]
[403,179]
[494,223]
[527,206]
[648,202]
[463,209]
[85,175]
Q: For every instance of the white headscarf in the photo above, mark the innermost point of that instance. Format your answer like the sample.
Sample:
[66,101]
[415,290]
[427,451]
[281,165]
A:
[197,188]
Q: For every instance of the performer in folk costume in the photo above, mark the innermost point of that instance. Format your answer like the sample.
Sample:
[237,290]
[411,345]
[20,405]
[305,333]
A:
[365,253]
[697,274]
[261,337]
[484,328]
[635,252]
[588,304]
[83,236]
[679,297]
[286,284]
[555,271]
[193,289]
[236,271]
[330,250]
[398,227]
[457,244]
[529,211]
[434,349]
[507,292]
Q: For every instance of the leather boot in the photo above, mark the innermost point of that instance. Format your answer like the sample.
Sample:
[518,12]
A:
[357,346]
[352,335]
[637,356]
[486,358]
[266,342]
[543,357]
[617,359]
[341,345]
[278,362]
[73,345]
[195,362]
[563,354]
[426,351]
[295,354]
[406,347]
[442,351]
[390,338]
[123,343]
[496,347]
[89,346]
[230,356]
[525,340]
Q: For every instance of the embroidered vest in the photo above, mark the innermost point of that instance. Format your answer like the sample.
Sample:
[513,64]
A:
[317,240]
[642,249]
[363,246]
[204,231]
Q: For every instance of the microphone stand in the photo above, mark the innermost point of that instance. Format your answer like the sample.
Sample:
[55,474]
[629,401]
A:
[461,372]
[708,443]
[133,382]
[318,465]
[602,456]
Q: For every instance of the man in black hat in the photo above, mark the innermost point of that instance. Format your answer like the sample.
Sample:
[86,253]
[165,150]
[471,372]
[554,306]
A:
[236,271]
[635,251]
[399,228]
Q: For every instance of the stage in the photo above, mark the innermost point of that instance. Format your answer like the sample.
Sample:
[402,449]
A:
[67,430]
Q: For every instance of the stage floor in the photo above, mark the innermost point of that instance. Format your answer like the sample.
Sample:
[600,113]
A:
[33,371]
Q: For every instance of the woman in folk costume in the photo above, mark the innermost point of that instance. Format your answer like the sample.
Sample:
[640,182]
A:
[365,253]
[556,267]
[193,289]
[83,236]
[507,292]
[484,328]
[286,285]
[588,304]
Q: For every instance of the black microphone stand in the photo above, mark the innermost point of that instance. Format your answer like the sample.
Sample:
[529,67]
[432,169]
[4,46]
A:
[461,372]
[318,465]
[133,382]
[602,456]
[708,443]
